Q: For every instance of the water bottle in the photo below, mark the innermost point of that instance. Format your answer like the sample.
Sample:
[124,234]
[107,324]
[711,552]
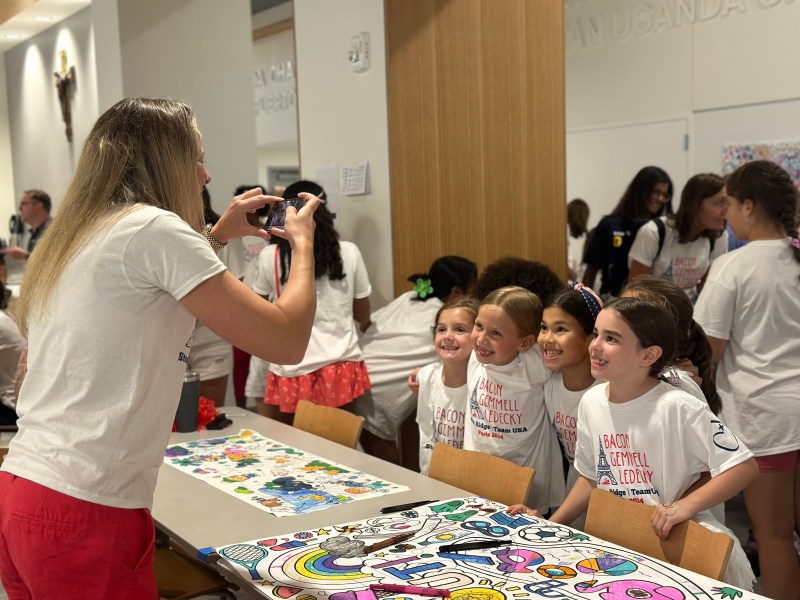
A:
[186,417]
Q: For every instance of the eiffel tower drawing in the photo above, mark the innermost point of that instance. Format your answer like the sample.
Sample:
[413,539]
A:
[474,407]
[603,468]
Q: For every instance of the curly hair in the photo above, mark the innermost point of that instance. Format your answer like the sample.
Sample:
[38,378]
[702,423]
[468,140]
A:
[327,253]
[531,275]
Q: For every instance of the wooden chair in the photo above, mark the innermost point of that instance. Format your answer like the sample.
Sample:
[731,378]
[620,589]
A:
[625,523]
[482,474]
[181,578]
[334,424]
[3,452]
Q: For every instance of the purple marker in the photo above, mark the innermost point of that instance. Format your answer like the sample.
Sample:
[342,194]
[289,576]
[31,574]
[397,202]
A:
[410,589]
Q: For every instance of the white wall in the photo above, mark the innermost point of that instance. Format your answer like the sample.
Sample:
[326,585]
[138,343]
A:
[275,90]
[200,52]
[43,158]
[723,67]
[343,119]
[765,122]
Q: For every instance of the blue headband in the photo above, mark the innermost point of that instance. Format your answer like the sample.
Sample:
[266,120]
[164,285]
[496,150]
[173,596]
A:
[592,300]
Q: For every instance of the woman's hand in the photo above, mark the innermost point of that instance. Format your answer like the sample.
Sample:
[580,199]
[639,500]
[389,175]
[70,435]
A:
[299,225]
[521,509]
[234,224]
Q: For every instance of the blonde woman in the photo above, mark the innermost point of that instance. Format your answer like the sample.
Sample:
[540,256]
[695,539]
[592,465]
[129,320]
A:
[108,304]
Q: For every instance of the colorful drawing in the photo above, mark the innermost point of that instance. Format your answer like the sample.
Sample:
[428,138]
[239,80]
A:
[274,477]
[542,560]
[786,154]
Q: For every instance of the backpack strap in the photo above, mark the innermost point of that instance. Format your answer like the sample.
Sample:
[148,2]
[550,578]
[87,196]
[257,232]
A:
[662,233]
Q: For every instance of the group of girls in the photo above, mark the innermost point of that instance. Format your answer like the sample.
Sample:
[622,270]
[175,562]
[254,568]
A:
[643,236]
[623,389]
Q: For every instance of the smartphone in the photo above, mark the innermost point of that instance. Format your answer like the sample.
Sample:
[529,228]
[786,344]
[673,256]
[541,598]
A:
[277,212]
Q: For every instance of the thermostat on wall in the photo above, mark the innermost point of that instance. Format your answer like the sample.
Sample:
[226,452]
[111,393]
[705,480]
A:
[359,52]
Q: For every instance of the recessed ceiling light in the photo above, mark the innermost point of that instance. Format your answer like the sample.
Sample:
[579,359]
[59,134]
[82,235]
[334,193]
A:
[13,36]
[44,19]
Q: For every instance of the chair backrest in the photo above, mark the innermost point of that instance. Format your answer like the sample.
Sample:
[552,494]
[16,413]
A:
[482,474]
[334,424]
[3,452]
[629,524]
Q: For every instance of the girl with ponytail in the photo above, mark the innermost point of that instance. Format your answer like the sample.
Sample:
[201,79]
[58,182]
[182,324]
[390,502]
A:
[750,310]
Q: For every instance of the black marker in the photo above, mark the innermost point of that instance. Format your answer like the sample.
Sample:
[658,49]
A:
[402,507]
[473,546]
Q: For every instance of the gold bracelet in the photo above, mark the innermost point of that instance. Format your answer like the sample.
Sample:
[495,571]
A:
[215,243]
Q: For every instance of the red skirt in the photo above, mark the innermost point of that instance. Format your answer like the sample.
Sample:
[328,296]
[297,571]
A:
[333,385]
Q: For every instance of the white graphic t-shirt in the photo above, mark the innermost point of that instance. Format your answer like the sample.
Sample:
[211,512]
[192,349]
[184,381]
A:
[507,418]
[440,413]
[653,448]
[682,264]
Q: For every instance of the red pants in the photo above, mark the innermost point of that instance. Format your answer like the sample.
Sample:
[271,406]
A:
[56,546]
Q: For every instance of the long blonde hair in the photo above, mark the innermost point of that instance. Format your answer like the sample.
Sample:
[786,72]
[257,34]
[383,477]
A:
[140,151]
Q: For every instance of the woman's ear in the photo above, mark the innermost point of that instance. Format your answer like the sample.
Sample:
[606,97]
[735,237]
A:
[650,355]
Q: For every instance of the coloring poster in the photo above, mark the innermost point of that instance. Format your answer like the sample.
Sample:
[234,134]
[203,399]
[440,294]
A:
[275,477]
[785,154]
[542,560]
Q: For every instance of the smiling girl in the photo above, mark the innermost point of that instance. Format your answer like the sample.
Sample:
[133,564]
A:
[564,339]
[750,309]
[645,440]
[507,415]
[442,401]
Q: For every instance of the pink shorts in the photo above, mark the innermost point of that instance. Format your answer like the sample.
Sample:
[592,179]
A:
[56,546]
[778,463]
[333,385]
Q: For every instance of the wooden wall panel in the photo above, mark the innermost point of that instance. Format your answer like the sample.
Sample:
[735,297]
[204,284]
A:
[476,131]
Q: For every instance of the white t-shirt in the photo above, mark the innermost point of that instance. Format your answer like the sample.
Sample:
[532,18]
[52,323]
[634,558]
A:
[399,340]
[440,413]
[752,299]
[11,345]
[507,418]
[241,257]
[653,448]
[334,336]
[106,365]
[575,254]
[682,264]
[212,356]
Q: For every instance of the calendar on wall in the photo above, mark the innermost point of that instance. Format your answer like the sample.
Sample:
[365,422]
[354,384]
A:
[354,179]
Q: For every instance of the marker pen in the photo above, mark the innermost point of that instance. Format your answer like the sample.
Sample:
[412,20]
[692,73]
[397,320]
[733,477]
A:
[410,589]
